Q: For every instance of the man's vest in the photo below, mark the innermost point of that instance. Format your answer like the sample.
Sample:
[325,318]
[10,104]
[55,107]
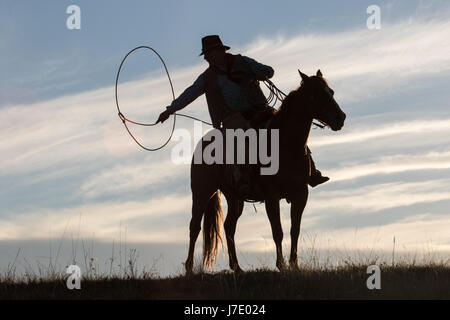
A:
[217,106]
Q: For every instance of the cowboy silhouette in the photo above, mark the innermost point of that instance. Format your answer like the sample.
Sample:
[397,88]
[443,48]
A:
[233,95]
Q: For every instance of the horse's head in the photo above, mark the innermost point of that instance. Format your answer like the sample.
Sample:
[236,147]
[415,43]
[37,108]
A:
[321,104]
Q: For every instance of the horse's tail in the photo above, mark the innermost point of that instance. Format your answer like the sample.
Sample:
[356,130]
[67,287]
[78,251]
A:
[212,223]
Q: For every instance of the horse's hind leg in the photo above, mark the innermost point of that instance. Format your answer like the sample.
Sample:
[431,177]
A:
[199,202]
[235,207]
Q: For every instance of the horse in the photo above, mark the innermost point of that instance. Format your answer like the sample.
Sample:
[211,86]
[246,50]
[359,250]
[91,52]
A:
[313,99]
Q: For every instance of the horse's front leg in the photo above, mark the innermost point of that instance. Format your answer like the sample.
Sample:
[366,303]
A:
[297,206]
[273,212]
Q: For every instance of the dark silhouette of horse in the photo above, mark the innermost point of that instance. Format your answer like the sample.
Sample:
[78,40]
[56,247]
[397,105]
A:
[312,100]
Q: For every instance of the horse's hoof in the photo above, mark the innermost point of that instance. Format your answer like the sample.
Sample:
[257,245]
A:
[281,266]
[293,266]
[189,268]
[237,270]
[235,267]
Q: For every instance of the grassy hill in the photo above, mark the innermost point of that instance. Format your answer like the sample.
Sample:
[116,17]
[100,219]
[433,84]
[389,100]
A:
[345,282]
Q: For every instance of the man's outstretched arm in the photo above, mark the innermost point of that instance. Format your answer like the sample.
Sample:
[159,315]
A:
[188,96]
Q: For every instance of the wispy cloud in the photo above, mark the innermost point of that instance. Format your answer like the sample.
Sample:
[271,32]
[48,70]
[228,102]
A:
[424,234]
[377,197]
[120,178]
[384,130]
[394,164]
[361,63]
[102,220]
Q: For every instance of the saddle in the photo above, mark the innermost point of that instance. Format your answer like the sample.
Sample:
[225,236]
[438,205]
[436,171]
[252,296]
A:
[261,119]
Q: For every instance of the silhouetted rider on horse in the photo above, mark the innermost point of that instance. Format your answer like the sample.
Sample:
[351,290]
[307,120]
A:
[234,97]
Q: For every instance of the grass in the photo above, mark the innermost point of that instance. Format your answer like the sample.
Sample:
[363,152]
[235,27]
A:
[346,282]
[317,278]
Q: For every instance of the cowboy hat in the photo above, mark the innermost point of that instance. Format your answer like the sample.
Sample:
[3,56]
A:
[210,42]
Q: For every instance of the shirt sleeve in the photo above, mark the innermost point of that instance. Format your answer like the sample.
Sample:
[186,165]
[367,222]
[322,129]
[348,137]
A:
[260,70]
[189,95]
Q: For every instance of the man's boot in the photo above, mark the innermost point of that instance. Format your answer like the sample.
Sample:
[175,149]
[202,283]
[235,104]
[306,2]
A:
[316,177]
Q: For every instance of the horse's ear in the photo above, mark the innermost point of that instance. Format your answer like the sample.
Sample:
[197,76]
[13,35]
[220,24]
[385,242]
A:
[319,73]
[304,76]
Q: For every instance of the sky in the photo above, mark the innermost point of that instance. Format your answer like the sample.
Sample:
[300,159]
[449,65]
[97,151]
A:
[71,176]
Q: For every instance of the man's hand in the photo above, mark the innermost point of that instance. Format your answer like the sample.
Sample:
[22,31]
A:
[261,76]
[163,116]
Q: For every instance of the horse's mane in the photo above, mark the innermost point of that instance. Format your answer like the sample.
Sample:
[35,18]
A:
[294,93]
[288,100]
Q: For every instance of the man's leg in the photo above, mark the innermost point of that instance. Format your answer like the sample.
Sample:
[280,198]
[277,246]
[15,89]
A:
[316,177]
[240,178]
[241,181]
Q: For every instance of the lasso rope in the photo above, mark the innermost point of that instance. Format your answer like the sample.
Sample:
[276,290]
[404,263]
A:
[125,119]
